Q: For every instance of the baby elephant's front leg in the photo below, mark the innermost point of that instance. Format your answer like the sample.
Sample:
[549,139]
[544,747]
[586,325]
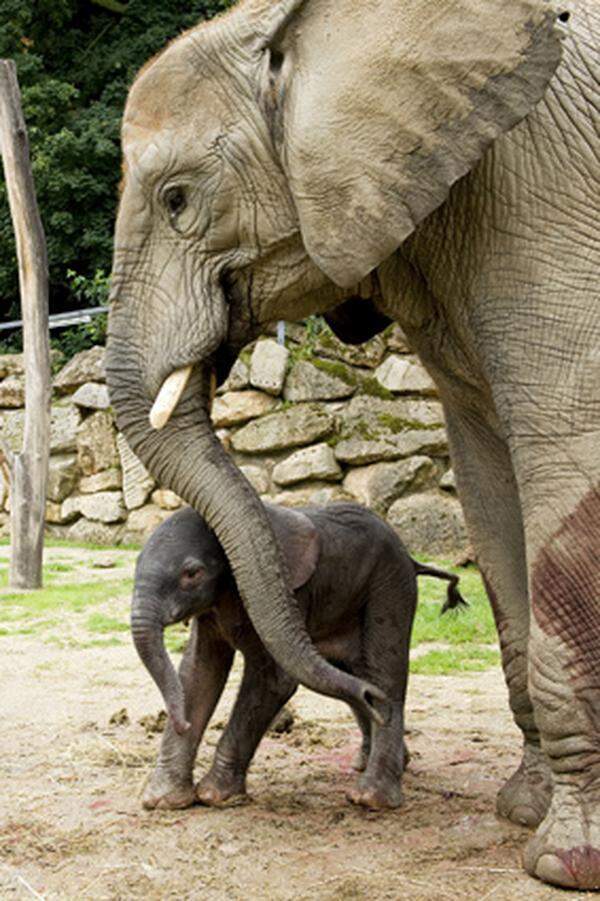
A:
[264,690]
[203,671]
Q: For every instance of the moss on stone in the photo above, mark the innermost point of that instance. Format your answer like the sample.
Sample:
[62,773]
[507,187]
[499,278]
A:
[336,370]
[245,355]
[304,348]
[299,352]
[328,339]
[397,424]
[363,430]
[372,388]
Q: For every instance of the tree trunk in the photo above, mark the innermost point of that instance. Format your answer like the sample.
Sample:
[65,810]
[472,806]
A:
[29,468]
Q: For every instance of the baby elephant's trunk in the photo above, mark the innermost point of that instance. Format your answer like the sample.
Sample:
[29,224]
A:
[147,629]
[454,598]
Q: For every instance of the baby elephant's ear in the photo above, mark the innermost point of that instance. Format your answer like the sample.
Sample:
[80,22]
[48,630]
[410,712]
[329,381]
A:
[299,542]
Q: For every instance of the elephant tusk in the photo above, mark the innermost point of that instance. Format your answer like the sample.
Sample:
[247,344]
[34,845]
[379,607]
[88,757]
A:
[168,397]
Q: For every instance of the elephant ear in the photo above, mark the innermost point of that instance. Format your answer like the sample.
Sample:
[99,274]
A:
[386,104]
[298,540]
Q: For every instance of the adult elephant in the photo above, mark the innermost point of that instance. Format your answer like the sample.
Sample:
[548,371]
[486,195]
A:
[294,157]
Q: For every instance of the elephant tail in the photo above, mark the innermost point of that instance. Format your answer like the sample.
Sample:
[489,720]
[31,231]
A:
[454,598]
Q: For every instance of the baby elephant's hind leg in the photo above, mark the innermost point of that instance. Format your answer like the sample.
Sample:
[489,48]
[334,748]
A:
[388,621]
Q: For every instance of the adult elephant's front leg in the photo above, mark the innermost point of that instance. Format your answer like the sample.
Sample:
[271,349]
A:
[203,673]
[492,508]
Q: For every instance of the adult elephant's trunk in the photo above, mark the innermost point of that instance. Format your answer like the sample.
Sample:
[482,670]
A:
[186,456]
[147,629]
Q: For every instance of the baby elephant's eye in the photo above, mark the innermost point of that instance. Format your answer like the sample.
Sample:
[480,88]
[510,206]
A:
[175,200]
[192,575]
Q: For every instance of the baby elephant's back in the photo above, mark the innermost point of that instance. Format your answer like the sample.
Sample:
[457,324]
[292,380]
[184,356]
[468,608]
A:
[358,551]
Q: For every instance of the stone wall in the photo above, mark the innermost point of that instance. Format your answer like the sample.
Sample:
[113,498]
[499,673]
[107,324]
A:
[310,423]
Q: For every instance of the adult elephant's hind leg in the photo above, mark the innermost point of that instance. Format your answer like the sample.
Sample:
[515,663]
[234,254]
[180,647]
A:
[547,393]
[564,672]
[492,508]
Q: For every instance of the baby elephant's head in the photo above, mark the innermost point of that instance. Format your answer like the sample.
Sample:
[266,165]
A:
[176,577]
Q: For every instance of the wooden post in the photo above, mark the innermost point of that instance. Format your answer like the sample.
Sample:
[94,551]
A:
[29,468]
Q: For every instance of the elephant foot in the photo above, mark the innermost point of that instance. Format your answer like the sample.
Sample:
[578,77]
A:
[375,796]
[165,793]
[525,797]
[565,850]
[219,792]
[361,759]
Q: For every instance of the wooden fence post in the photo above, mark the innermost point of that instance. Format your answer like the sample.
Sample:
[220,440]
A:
[29,468]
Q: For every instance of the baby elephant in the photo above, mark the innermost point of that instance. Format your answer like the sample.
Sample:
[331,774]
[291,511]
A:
[355,585]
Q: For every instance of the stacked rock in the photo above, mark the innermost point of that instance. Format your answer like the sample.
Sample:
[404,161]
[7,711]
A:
[312,422]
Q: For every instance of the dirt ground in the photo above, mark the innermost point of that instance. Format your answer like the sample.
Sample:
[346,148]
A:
[71,823]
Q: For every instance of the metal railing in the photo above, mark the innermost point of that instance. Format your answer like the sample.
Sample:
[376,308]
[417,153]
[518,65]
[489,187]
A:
[60,320]
[76,317]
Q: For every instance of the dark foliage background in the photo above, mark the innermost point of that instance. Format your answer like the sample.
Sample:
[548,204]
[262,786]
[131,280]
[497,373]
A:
[75,61]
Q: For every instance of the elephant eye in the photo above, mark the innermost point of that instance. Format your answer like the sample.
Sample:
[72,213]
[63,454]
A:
[192,575]
[175,201]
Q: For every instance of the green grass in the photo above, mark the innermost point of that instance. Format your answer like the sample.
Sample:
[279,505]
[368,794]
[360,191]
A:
[467,636]
[445,662]
[50,573]
[176,638]
[84,545]
[80,644]
[43,611]
[59,568]
[104,625]
[71,598]
[9,616]
[464,625]
[32,628]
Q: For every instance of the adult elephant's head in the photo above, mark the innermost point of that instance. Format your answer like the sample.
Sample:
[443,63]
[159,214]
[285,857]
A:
[272,159]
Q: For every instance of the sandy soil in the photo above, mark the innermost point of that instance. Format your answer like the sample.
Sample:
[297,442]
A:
[71,824]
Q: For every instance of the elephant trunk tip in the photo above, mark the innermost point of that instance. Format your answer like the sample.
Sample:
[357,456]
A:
[375,703]
[148,638]
[180,724]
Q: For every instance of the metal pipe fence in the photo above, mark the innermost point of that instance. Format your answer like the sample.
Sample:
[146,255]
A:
[60,320]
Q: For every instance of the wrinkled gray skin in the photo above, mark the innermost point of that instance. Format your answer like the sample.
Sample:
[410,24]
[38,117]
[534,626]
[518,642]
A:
[356,589]
[296,156]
